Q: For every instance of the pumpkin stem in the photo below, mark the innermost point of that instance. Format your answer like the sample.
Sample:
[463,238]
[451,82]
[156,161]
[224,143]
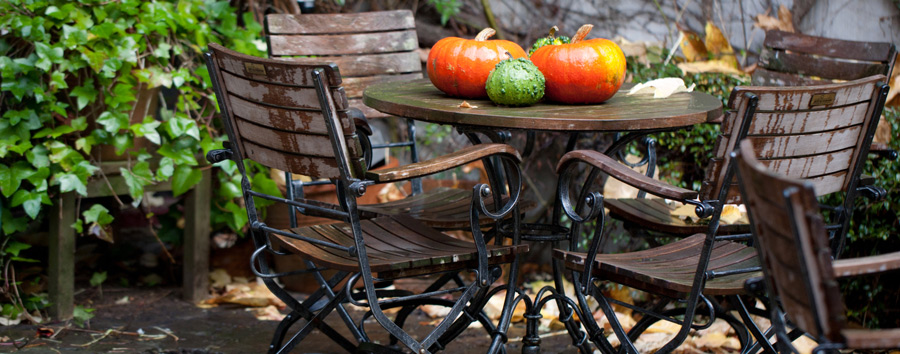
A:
[485,34]
[582,32]
[553,31]
[508,56]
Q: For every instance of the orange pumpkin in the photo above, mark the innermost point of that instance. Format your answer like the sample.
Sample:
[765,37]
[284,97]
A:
[460,67]
[583,71]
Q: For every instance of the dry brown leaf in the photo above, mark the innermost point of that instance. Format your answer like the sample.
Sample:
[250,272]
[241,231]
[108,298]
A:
[784,21]
[716,340]
[718,46]
[710,66]
[692,46]
[466,104]
[390,193]
[892,99]
[268,313]
[883,131]
[253,295]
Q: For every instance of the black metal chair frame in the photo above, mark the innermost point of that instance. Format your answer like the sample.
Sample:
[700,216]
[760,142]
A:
[465,310]
[586,284]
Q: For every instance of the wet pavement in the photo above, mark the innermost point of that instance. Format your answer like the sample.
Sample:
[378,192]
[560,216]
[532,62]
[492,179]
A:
[171,325]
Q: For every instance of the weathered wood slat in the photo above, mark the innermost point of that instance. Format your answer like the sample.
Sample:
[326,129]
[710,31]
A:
[355,86]
[825,68]
[868,338]
[340,44]
[340,23]
[296,143]
[782,146]
[764,77]
[368,65]
[672,267]
[394,246]
[280,95]
[260,69]
[830,47]
[315,167]
[441,163]
[783,123]
[623,173]
[788,98]
[654,214]
[309,121]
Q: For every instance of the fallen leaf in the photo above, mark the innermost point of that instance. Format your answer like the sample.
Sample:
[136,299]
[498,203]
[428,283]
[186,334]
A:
[253,295]
[692,46]
[219,278]
[710,66]
[465,104]
[124,300]
[268,313]
[784,22]
[718,46]
[661,88]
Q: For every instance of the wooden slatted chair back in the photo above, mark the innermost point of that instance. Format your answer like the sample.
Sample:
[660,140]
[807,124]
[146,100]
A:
[793,59]
[369,47]
[816,133]
[793,243]
[274,116]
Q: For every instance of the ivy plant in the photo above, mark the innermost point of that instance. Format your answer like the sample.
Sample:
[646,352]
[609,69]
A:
[71,75]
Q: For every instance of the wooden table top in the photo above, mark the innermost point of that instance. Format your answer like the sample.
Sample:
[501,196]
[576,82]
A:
[420,100]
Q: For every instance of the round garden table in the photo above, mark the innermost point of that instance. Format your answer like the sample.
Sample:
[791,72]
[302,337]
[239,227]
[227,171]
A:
[636,116]
[420,100]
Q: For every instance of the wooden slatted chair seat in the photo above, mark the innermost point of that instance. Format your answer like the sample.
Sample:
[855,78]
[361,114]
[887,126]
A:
[669,269]
[656,215]
[396,246]
[442,208]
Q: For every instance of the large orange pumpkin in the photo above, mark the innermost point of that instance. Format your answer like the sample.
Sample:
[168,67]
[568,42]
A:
[583,71]
[460,67]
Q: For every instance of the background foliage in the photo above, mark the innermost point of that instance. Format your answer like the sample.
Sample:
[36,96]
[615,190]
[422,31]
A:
[70,75]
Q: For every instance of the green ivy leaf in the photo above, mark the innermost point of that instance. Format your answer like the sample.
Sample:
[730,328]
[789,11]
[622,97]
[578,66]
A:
[98,278]
[166,169]
[147,129]
[81,315]
[14,247]
[178,156]
[70,182]
[13,224]
[97,214]
[263,184]
[47,55]
[37,156]
[184,178]
[86,143]
[85,94]
[179,125]
[31,202]
[113,121]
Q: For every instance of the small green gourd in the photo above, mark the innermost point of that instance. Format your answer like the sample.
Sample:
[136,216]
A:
[549,40]
[515,82]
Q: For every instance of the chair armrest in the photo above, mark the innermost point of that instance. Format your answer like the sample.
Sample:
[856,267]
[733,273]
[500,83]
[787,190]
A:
[883,150]
[359,120]
[866,265]
[621,172]
[442,163]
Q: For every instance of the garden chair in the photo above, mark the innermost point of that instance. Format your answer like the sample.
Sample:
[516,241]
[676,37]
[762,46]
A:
[817,133]
[369,47]
[791,236]
[294,117]
[794,59]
